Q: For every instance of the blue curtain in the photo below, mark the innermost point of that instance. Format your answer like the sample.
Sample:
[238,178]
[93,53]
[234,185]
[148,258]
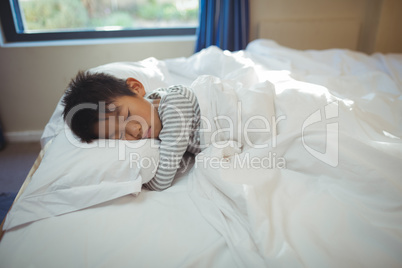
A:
[223,23]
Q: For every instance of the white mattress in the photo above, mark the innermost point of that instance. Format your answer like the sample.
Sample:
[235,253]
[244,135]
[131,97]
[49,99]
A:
[325,192]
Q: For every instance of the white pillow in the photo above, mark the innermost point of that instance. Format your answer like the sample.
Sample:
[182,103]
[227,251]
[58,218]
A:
[75,175]
[151,72]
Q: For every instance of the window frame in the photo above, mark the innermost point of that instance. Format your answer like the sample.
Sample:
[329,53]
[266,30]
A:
[13,32]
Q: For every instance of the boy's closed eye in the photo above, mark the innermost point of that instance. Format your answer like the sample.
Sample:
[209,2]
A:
[122,134]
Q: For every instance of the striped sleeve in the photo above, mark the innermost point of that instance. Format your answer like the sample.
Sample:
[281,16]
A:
[176,112]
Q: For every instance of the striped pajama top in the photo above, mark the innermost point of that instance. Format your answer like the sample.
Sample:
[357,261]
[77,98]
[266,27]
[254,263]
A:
[180,116]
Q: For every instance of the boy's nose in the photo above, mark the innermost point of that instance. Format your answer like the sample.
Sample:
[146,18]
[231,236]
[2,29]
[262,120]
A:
[133,131]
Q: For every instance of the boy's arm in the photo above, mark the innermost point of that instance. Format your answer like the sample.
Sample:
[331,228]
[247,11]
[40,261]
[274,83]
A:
[176,116]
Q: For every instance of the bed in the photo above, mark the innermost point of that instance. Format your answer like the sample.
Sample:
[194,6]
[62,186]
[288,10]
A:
[315,181]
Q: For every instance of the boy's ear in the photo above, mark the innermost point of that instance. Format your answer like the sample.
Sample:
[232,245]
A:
[136,86]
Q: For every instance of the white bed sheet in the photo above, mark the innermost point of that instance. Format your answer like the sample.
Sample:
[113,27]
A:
[317,211]
[155,229]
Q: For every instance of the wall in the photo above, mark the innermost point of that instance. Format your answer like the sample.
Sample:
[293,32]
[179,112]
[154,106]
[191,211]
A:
[34,78]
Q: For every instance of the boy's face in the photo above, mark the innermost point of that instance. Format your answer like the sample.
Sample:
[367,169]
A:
[131,117]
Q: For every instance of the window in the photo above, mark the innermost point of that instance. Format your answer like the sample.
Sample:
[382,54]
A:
[42,20]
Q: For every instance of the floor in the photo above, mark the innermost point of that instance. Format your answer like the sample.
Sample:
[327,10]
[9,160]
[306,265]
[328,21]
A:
[16,159]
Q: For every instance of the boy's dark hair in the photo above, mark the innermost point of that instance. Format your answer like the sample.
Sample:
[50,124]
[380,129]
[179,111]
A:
[83,97]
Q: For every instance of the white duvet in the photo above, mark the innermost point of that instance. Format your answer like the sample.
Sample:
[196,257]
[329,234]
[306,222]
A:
[326,191]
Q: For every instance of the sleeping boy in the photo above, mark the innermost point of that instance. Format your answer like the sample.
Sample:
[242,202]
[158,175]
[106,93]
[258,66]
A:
[101,106]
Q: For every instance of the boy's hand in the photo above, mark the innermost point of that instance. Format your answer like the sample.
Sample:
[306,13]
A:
[155,102]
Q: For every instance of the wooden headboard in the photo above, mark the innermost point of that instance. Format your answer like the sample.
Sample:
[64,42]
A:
[312,33]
